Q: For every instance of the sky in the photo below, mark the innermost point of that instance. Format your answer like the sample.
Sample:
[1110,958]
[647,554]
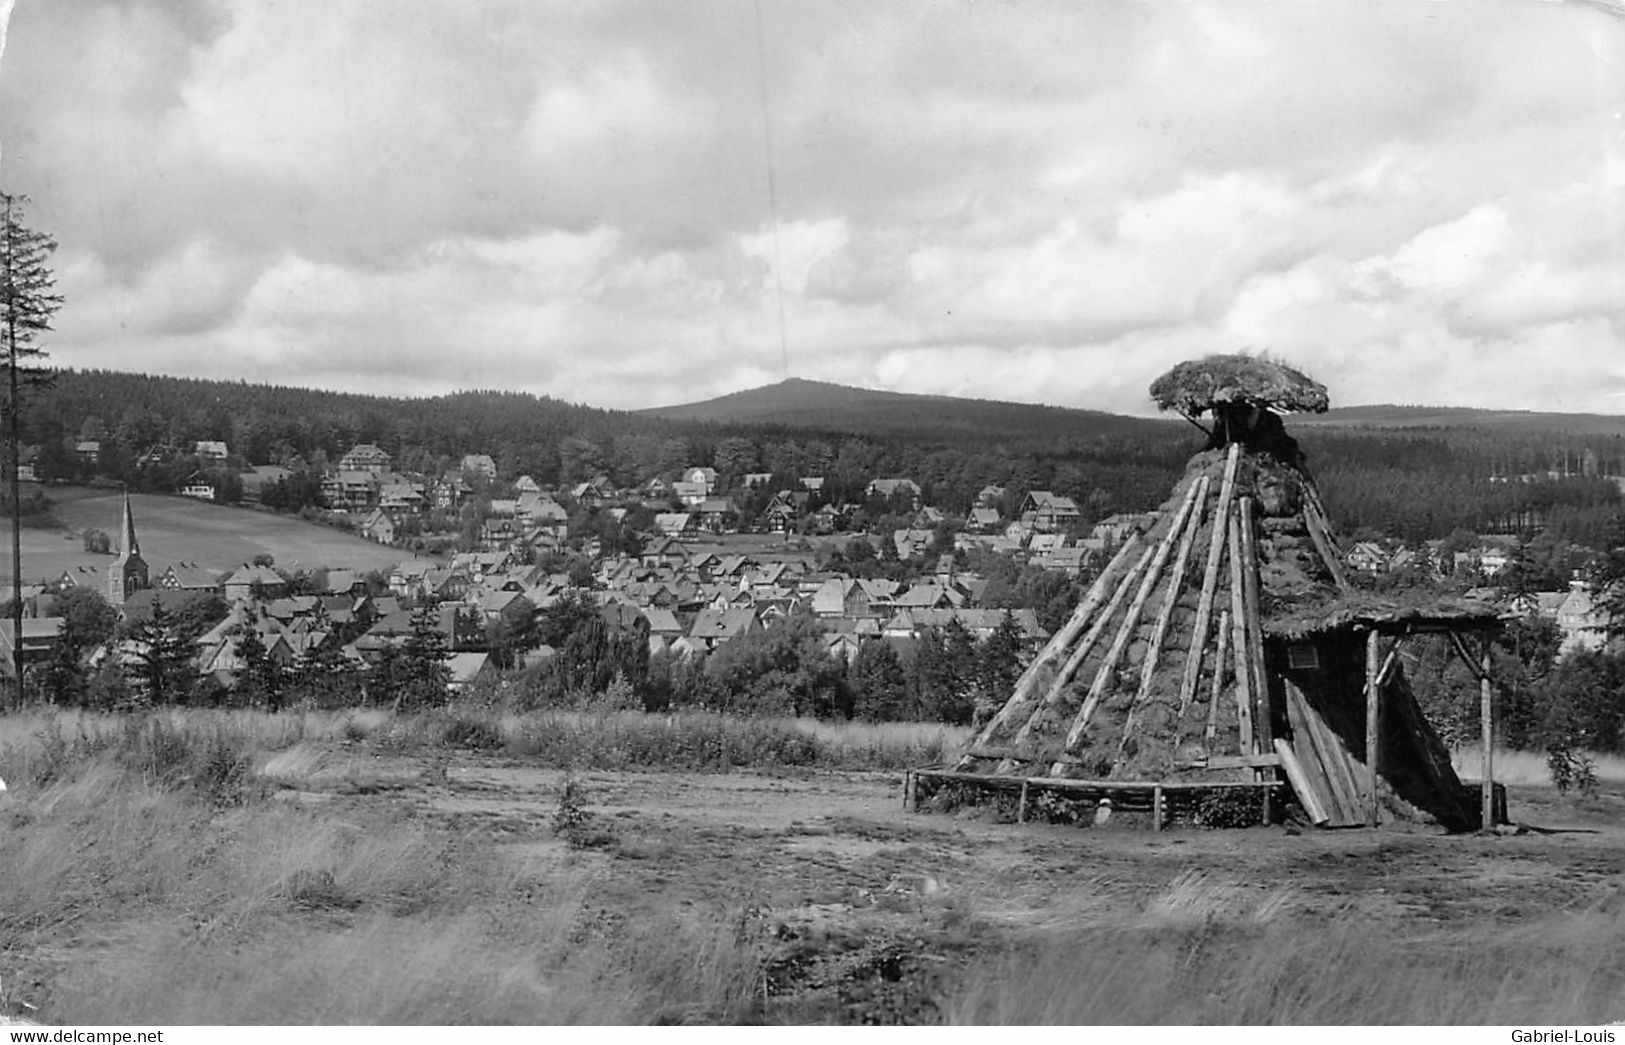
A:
[633,204]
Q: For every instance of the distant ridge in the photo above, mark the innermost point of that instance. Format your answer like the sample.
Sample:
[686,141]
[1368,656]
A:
[1390,416]
[800,403]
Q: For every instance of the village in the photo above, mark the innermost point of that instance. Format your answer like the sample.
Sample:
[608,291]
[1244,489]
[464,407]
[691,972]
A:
[690,564]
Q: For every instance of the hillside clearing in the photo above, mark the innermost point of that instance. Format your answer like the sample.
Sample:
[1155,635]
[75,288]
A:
[180,529]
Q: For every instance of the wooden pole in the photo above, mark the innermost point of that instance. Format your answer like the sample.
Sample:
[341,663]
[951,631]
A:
[1217,690]
[1021,806]
[1158,810]
[1131,621]
[1486,723]
[1250,585]
[1170,601]
[1210,582]
[1238,641]
[1315,522]
[1373,713]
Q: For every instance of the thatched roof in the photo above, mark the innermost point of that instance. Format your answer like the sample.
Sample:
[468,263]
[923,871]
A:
[1384,613]
[1197,385]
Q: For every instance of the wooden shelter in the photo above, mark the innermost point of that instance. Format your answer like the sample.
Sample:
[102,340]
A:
[1224,651]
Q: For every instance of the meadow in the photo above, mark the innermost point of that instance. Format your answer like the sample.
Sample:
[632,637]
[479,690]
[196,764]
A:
[181,529]
[470,867]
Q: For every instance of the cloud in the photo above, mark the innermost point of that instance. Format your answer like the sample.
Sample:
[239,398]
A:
[1025,200]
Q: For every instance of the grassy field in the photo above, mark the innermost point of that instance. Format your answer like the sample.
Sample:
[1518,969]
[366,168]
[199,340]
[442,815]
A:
[236,867]
[180,529]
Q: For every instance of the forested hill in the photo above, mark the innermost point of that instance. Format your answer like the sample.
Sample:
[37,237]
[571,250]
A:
[819,405]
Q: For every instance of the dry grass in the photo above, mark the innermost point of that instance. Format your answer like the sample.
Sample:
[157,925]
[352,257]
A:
[1209,951]
[181,911]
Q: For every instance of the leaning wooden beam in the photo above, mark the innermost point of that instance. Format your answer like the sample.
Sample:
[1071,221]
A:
[1373,713]
[1026,692]
[1131,620]
[1218,681]
[1255,627]
[1170,600]
[1064,676]
[1210,582]
[1321,536]
[1238,639]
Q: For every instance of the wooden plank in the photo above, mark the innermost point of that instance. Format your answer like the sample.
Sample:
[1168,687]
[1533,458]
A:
[1373,735]
[1324,757]
[1250,584]
[1244,762]
[1026,690]
[1210,584]
[1238,642]
[1310,801]
[1131,621]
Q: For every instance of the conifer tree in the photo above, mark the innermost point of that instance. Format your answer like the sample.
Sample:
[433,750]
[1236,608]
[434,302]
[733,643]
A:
[27,303]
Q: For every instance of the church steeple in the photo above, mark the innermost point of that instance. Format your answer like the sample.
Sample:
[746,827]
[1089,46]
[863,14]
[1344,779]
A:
[128,574]
[127,543]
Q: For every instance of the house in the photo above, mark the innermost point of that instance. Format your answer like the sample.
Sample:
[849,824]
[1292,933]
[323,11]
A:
[39,638]
[1367,557]
[365,457]
[448,492]
[89,451]
[350,489]
[753,480]
[212,450]
[690,493]
[467,666]
[700,476]
[1047,512]
[886,489]
[480,464]
[535,509]
[189,576]
[716,515]
[255,582]
[377,525]
[525,484]
[1069,561]
[989,496]
[1583,622]
[1116,528]
[677,525]
[711,628]
[984,520]
[812,483]
[664,551]
[911,544]
[200,491]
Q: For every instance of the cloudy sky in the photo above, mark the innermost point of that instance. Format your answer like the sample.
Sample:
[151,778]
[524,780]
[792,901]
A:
[611,202]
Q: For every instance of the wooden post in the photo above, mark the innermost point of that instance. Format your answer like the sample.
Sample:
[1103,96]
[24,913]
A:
[1250,585]
[1217,690]
[1210,584]
[1157,809]
[1486,720]
[1373,713]
[1238,626]
[1021,806]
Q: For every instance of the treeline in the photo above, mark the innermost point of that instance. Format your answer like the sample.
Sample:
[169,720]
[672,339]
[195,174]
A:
[1414,484]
